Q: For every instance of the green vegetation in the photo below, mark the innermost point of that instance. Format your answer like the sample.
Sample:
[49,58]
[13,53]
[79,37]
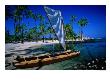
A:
[69,32]
[82,23]
[41,27]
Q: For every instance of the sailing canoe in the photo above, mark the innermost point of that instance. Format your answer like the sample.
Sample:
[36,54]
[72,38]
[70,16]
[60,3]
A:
[45,60]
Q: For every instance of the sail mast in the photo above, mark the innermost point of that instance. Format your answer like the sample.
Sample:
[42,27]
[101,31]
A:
[51,24]
[64,35]
[52,27]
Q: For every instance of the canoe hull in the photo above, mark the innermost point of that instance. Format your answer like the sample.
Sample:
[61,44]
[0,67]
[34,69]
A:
[59,59]
[38,62]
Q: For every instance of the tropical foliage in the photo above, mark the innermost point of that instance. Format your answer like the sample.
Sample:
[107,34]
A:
[69,32]
[82,23]
[25,32]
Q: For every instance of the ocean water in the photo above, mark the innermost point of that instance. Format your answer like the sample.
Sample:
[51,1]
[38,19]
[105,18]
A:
[88,51]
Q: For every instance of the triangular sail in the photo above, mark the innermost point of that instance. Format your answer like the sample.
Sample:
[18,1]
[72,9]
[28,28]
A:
[56,21]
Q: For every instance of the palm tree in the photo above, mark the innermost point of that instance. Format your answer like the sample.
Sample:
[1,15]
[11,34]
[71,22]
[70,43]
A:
[41,18]
[72,20]
[42,26]
[7,36]
[30,14]
[70,35]
[22,27]
[24,10]
[49,31]
[8,13]
[36,17]
[16,26]
[42,31]
[69,32]
[82,23]
[20,13]
[32,33]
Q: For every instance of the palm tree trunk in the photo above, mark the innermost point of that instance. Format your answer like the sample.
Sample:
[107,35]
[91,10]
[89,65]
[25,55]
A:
[43,38]
[22,41]
[15,29]
[22,35]
[19,27]
[36,33]
[81,34]
[52,38]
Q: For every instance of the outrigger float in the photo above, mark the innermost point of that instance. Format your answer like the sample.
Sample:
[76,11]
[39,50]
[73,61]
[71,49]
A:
[30,62]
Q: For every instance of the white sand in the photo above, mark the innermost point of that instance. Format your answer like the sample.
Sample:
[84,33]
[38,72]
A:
[20,48]
[12,50]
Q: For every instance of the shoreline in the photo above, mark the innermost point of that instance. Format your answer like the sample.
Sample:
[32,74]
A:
[25,50]
[56,41]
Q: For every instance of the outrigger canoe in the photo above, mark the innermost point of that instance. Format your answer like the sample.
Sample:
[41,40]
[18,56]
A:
[30,62]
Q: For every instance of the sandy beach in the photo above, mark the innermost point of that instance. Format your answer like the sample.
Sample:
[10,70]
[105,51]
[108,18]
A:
[19,48]
[12,50]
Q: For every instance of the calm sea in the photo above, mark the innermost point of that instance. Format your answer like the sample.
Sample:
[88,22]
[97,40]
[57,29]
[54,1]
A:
[88,51]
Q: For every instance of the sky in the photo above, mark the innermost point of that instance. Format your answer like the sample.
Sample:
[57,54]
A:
[96,15]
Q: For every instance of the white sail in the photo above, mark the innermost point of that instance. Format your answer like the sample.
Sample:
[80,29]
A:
[57,24]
